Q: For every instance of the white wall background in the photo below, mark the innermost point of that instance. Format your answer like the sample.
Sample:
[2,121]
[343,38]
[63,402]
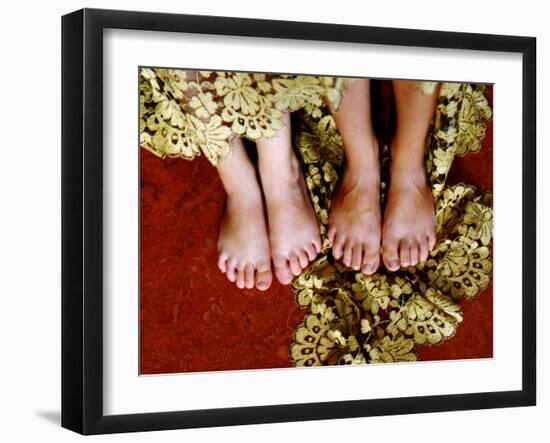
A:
[30,218]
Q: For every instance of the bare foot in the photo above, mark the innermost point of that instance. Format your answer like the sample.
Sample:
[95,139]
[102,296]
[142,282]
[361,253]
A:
[243,243]
[408,232]
[354,221]
[293,227]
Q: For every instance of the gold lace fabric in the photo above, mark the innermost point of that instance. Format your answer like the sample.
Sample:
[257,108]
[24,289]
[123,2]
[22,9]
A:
[355,319]
[185,113]
[350,318]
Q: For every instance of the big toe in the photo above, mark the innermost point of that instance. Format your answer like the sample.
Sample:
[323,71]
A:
[283,271]
[263,280]
[390,255]
[264,276]
[370,263]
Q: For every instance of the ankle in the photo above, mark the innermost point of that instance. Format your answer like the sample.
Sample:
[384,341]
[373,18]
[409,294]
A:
[362,153]
[358,177]
[411,173]
[244,199]
[280,171]
[407,149]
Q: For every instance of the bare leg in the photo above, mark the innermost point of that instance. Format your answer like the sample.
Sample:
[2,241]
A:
[408,232]
[243,242]
[293,228]
[354,221]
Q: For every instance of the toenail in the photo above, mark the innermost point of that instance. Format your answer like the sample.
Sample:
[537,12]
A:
[394,264]
[369,267]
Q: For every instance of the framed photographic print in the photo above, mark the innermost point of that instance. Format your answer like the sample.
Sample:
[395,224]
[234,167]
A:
[270,221]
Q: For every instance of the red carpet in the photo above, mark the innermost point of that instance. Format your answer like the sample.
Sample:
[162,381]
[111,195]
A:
[193,319]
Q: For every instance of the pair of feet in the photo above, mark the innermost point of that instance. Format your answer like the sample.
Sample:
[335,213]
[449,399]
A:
[358,234]
[269,228]
[272,228]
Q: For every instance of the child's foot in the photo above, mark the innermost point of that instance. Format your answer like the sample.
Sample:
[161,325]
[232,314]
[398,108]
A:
[243,242]
[408,232]
[354,221]
[293,227]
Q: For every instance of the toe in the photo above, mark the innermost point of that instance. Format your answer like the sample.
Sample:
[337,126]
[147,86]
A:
[330,235]
[371,261]
[423,249]
[222,262]
[294,264]
[348,252]
[282,270]
[264,276]
[231,270]
[249,276]
[404,253]
[431,240]
[240,277]
[369,268]
[311,252]
[316,242]
[263,280]
[303,259]
[390,254]
[338,248]
[356,257]
[284,275]
[414,254]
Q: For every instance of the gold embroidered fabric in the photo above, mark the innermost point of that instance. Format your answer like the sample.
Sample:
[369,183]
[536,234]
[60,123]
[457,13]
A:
[186,113]
[355,319]
[351,318]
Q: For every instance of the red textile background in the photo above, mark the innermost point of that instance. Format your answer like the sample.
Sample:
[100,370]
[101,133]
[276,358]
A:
[193,319]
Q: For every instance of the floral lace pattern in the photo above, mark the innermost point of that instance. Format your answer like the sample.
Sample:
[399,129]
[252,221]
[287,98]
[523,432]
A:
[185,113]
[355,319]
[350,318]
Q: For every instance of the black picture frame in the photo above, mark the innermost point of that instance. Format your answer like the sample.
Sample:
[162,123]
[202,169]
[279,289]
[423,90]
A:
[82,218]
